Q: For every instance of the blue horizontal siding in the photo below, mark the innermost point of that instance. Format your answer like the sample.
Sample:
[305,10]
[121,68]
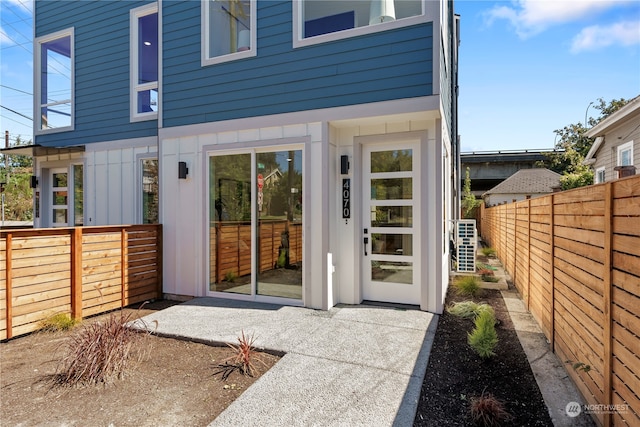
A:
[378,67]
[384,66]
[101,31]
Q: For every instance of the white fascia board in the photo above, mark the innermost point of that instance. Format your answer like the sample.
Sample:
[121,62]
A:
[590,159]
[624,112]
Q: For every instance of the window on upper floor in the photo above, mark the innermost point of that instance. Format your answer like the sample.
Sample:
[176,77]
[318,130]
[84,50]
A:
[600,175]
[54,82]
[625,154]
[318,21]
[229,30]
[144,62]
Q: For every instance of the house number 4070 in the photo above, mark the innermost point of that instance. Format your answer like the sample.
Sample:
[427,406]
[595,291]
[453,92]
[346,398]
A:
[346,198]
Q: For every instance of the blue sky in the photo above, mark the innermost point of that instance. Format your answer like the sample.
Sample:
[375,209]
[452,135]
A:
[527,67]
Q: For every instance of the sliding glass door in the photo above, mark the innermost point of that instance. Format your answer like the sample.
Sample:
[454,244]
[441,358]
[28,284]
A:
[255,223]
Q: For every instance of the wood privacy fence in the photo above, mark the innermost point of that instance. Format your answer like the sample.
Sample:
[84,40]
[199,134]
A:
[575,258]
[232,252]
[81,271]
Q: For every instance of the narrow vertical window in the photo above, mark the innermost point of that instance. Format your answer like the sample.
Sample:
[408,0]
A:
[144,63]
[228,30]
[54,82]
[78,195]
[150,191]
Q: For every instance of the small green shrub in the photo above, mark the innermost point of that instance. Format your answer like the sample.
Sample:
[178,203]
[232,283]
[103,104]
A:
[468,309]
[231,276]
[488,411]
[484,338]
[101,351]
[488,251]
[58,322]
[490,278]
[467,285]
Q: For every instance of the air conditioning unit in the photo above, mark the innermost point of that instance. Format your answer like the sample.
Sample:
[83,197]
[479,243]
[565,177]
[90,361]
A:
[466,245]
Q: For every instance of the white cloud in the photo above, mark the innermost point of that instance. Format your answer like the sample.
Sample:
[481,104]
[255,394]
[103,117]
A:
[530,17]
[595,37]
[4,38]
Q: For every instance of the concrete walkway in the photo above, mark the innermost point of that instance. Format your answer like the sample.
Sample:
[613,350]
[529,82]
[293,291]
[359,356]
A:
[358,365]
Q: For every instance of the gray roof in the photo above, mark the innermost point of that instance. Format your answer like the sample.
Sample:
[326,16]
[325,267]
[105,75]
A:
[528,181]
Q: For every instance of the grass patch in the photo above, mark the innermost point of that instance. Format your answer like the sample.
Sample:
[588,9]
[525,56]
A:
[467,285]
[488,251]
[58,322]
[468,309]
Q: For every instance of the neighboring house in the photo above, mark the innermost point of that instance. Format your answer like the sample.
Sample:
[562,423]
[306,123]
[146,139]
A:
[616,151]
[522,185]
[182,105]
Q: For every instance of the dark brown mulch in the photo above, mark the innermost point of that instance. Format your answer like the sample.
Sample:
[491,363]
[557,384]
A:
[455,373]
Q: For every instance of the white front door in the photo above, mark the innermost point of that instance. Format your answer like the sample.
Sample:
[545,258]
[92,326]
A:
[59,197]
[391,222]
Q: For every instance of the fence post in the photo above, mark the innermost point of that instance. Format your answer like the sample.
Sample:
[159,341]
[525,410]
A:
[8,293]
[528,257]
[76,273]
[608,300]
[552,322]
[159,260]
[124,249]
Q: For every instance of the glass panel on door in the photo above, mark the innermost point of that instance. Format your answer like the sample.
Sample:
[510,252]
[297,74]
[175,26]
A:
[279,202]
[230,223]
[59,198]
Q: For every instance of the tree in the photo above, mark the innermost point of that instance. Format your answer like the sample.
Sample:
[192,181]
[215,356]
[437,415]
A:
[469,201]
[574,145]
[18,195]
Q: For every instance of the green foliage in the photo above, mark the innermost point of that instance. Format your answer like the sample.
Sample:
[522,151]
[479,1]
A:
[484,338]
[488,411]
[467,285]
[488,251]
[231,276]
[469,201]
[101,352]
[58,322]
[582,176]
[579,366]
[468,309]
[573,146]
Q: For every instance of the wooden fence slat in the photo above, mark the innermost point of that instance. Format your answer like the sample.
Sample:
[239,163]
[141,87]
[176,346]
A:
[582,269]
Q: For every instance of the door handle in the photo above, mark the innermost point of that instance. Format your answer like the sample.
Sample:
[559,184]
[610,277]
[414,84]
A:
[366,241]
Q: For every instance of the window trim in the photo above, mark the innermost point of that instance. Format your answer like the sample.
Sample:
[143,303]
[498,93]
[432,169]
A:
[298,27]
[39,41]
[204,37]
[597,172]
[134,87]
[622,148]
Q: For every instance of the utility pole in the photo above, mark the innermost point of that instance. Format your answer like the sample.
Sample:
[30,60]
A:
[6,172]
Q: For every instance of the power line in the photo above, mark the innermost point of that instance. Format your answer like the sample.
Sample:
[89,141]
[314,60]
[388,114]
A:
[15,112]
[9,118]
[17,90]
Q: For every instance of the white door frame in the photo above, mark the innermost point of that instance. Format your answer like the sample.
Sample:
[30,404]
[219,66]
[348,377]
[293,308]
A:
[389,290]
[52,190]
